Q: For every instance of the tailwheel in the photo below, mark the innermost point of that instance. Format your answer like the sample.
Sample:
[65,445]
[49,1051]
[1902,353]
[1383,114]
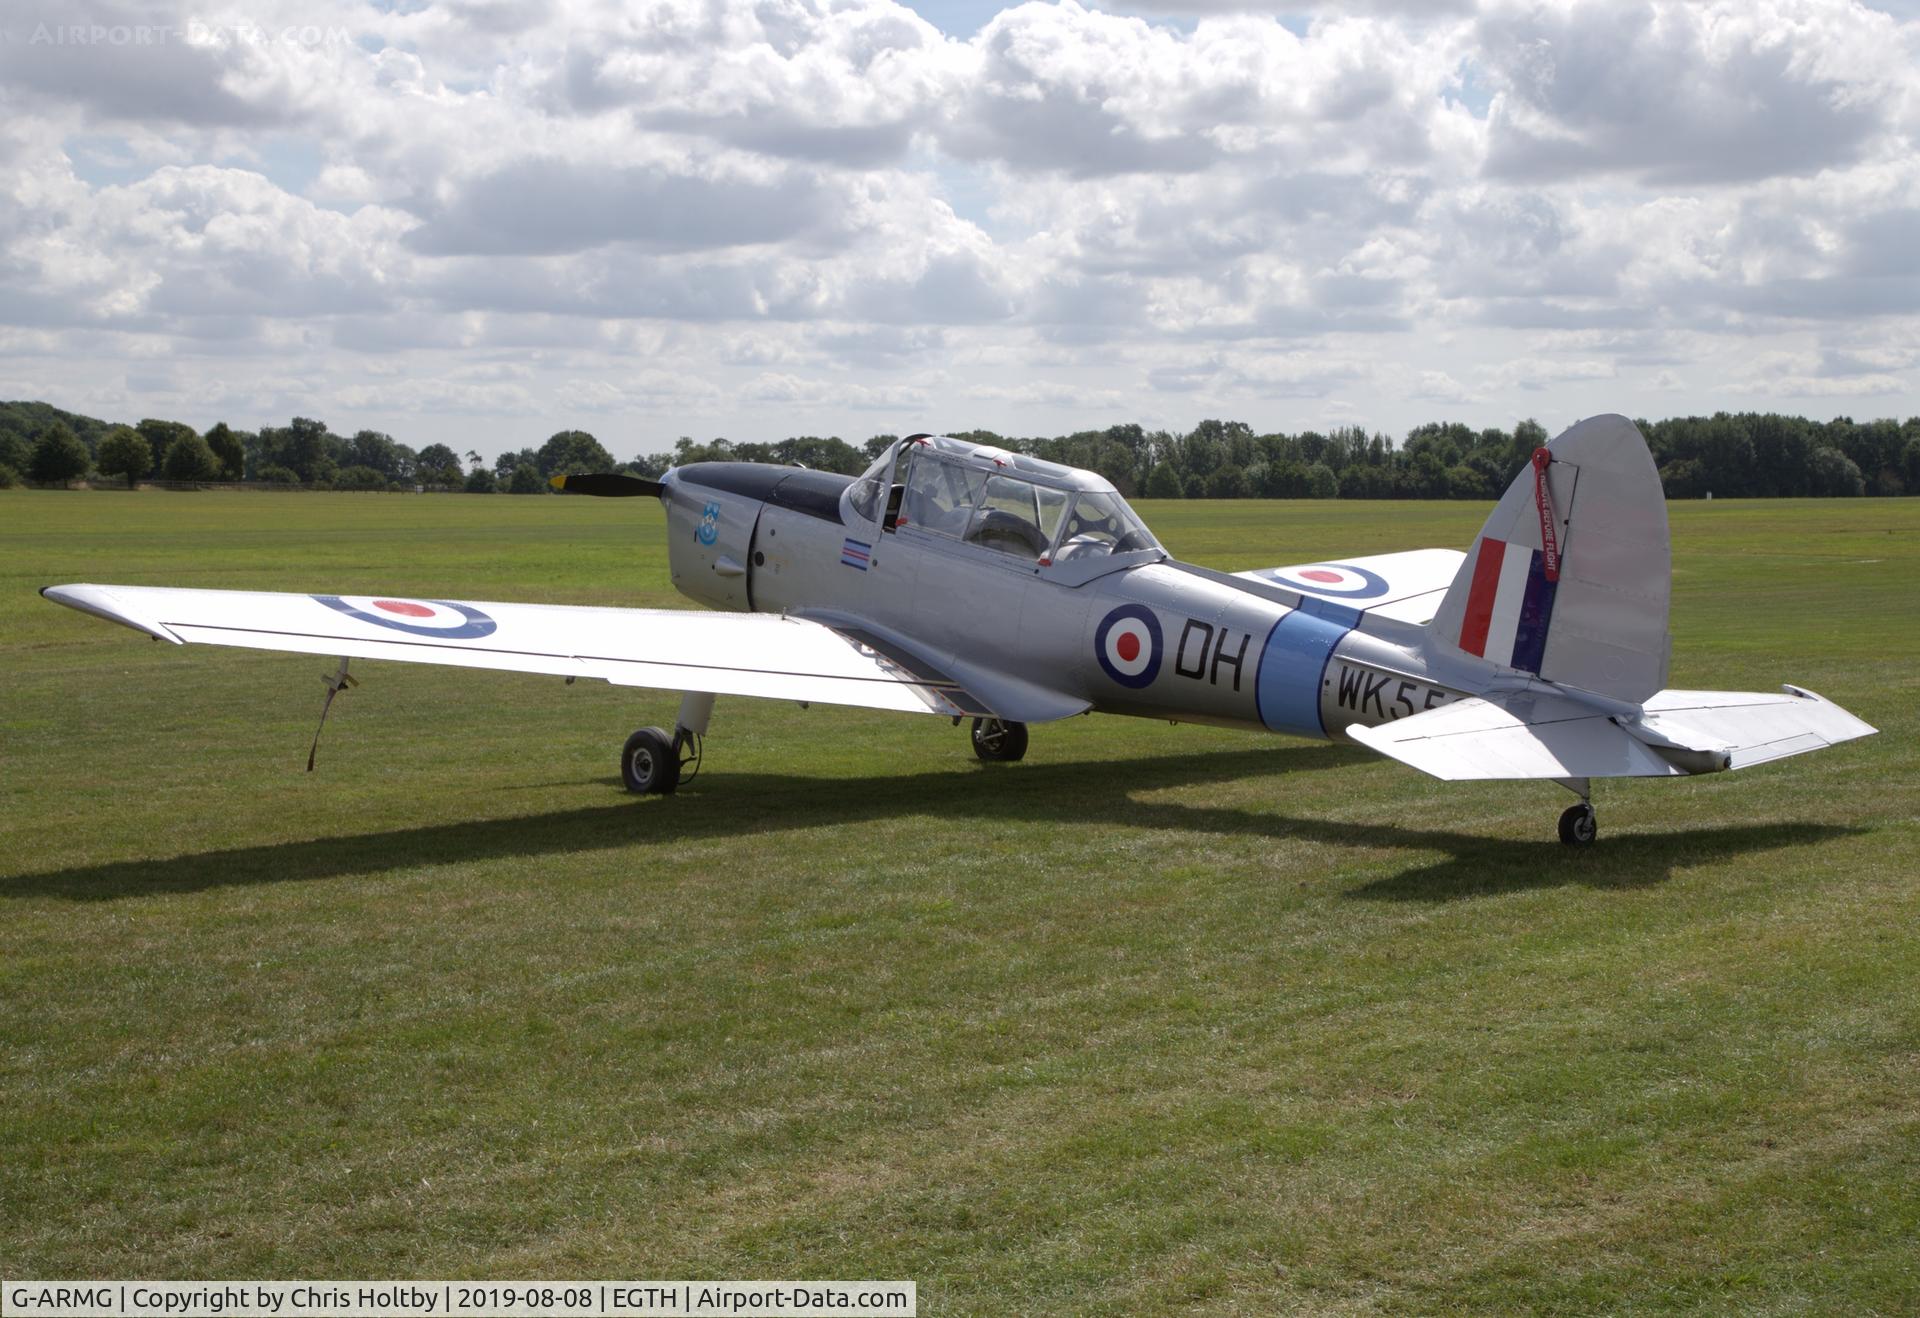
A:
[650,763]
[1578,828]
[994,740]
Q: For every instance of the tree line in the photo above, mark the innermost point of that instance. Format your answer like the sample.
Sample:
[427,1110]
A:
[1729,455]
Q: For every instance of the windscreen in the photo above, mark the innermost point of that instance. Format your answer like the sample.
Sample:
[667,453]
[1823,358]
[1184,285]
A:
[864,498]
[1100,524]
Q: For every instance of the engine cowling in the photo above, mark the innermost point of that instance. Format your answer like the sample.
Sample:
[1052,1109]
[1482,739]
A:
[710,543]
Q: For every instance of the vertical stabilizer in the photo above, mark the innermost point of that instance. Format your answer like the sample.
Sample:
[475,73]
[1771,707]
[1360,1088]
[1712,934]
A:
[1569,578]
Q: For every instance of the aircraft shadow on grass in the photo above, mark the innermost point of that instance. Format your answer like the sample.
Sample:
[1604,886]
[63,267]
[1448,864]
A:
[1101,793]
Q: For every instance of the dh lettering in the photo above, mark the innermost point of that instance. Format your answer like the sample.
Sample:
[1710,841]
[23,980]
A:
[1199,669]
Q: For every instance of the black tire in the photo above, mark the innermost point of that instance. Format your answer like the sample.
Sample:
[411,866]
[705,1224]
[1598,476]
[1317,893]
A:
[1578,828]
[649,764]
[997,742]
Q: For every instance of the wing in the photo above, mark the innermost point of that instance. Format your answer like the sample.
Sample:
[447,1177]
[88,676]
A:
[1537,735]
[1406,587]
[745,654]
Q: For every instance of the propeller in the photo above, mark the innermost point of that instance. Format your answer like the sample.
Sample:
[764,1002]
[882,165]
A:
[607,485]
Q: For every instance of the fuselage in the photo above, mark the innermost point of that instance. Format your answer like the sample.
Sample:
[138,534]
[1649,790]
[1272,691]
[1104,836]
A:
[1134,632]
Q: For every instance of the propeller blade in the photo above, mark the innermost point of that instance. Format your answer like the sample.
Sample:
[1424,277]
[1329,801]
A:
[607,485]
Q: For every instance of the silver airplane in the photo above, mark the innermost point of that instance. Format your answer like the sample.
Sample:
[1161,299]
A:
[983,585]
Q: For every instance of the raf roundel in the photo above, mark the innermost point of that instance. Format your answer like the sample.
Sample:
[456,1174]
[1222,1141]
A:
[1127,644]
[1331,580]
[441,619]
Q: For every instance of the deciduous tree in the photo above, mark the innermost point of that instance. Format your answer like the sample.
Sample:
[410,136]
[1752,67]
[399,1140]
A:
[507,463]
[437,465]
[228,449]
[308,451]
[359,477]
[1834,473]
[1163,482]
[59,456]
[572,451]
[189,459]
[125,452]
[161,436]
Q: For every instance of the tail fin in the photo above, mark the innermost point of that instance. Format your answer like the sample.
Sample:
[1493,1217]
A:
[1570,576]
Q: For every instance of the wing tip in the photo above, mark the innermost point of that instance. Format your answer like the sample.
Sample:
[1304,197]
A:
[1865,729]
[102,603]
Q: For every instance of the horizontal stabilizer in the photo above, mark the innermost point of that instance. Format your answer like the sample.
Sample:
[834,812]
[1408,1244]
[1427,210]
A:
[1523,736]
[1543,735]
[1407,586]
[1752,726]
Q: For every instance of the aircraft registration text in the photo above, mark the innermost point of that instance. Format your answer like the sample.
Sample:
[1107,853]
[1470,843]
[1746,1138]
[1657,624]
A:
[1369,696]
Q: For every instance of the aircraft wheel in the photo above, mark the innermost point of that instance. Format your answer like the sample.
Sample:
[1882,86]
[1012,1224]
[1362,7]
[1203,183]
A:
[648,762]
[994,740]
[1578,828]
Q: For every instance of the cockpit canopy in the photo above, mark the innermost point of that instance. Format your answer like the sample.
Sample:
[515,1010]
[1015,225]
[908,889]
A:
[1007,502]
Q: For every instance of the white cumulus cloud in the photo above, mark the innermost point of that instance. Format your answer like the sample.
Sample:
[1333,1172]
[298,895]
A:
[761,217]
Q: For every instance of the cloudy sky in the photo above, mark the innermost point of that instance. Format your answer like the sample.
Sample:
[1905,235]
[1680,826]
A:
[481,221]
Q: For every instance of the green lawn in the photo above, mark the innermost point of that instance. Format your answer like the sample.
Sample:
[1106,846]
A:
[1161,1019]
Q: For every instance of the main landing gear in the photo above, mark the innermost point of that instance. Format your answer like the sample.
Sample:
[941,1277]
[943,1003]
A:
[654,763]
[1578,827]
[650,762]
[998,741]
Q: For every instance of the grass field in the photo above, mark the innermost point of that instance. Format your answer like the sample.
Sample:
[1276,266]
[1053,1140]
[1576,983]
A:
[1161,1019]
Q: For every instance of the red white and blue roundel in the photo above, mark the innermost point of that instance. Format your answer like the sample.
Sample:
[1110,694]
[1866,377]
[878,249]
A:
[1342,581]
[1127,644]
[439,619]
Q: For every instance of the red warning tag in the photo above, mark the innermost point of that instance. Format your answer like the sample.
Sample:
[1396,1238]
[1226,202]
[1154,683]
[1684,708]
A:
[1549,542]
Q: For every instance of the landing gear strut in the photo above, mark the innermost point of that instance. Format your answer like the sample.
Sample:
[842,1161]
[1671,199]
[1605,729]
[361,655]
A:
[1578,828]
[653,763]
[994,740]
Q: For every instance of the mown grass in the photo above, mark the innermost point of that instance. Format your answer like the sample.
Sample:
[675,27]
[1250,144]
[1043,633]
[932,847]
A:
[1160,1019]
